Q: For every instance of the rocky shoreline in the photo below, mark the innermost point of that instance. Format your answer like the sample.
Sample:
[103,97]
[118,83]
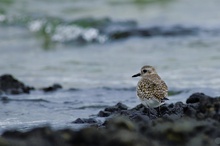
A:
[196,122]
[10,85]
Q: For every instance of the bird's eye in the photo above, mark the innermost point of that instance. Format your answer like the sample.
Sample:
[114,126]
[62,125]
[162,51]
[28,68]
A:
[144,71]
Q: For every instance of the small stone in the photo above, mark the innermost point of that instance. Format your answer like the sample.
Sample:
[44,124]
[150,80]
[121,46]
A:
[52,88]
[119,106]
[195,98]
[78,121]
[140,118]
[104,114]
[82,121]
[165,109]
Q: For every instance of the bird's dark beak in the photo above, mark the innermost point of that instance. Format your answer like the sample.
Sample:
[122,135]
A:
[136,75]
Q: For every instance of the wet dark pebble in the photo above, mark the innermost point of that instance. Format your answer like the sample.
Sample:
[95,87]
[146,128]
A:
[104,114]
[118,107]
[52,88]
[113,109]
[88,121]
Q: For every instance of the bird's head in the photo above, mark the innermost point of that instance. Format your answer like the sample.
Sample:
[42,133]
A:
[145,71]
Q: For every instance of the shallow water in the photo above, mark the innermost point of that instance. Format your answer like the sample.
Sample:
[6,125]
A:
[42,46]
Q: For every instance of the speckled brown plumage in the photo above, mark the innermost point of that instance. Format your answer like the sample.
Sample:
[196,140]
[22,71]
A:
[151,87]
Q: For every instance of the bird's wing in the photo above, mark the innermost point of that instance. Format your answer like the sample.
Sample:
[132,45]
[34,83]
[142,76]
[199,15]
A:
[156,88]
[161,90]
[143,89]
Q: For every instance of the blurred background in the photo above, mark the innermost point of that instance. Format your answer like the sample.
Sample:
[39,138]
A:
[94,47]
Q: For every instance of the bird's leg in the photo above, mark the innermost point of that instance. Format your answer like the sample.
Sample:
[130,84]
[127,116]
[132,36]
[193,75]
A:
[148,112]
[159,114]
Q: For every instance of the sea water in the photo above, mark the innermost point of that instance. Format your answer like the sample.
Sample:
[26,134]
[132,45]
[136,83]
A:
[41,45]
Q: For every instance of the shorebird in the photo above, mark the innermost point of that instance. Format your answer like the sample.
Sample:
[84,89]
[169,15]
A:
[151,89]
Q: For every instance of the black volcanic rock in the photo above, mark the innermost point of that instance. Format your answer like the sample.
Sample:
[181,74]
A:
[10,85]
[198,106]
[122,132]
[195,123]
[36,137]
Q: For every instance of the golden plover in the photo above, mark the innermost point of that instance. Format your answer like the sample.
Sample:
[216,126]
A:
[151,89]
